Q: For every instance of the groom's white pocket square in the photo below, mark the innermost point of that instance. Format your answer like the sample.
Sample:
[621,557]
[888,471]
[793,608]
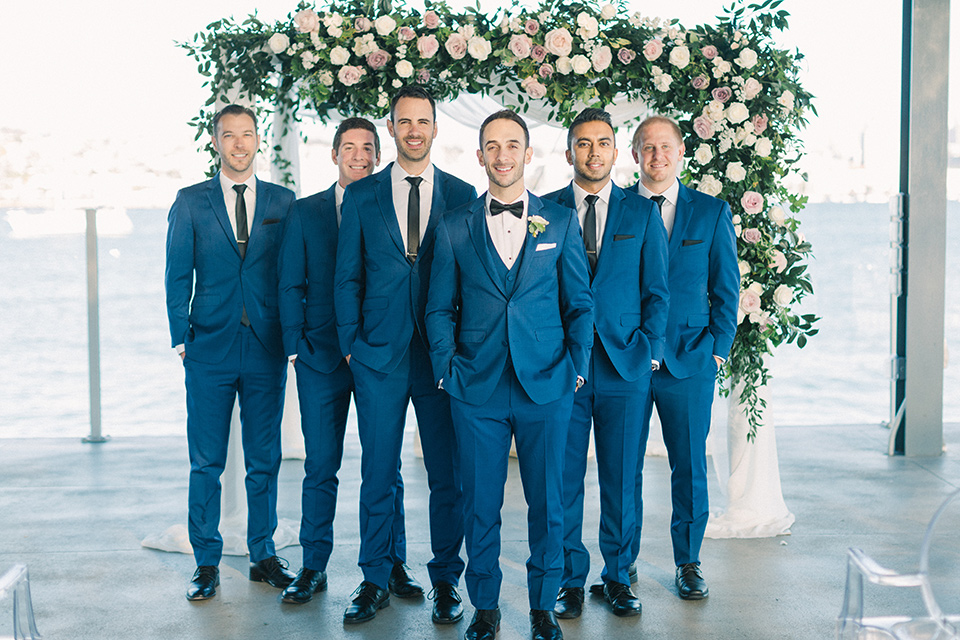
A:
[547,245]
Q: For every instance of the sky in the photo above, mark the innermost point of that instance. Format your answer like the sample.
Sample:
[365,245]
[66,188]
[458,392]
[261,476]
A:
[110,72]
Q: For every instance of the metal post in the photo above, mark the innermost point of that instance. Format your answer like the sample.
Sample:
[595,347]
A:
[93,329]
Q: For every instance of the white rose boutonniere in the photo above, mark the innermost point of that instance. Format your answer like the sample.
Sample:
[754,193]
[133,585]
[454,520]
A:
[537,225]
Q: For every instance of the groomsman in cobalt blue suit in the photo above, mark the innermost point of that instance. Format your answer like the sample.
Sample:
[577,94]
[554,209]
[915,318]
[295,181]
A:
[627,251]
[704,293]
[308,255]
[221,281]
[510,321]
[384,256]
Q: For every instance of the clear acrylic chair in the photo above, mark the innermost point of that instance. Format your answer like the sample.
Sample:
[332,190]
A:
[16,583]
[938,579]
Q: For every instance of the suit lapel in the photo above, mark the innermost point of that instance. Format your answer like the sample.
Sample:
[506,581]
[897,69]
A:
[614,214]
[681,219]
[264,195]
[437,207]
[477,227]
[534,208]
[384,196]
[220,211]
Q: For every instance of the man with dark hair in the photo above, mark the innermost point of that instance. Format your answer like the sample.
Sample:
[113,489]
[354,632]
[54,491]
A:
[510,321]
[704,287]
[384,255]
[627,251]
[308,256]
[221,283]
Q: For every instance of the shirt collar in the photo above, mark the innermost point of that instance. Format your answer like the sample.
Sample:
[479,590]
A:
[672,194]
[227,183]
[399,174]
[579,193]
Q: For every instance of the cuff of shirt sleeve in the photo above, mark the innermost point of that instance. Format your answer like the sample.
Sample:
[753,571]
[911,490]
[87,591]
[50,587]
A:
[654,365]
[180,348]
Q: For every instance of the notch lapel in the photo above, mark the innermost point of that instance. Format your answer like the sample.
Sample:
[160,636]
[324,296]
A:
[681,219]
[437,207]
[264,195]
[219,207]
[614,215]
[384,196]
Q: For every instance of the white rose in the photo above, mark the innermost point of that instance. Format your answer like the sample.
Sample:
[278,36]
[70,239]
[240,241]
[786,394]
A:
[589,28]
[680,57]
[404,69]
[751,88]
[714,110]
[721,67]
[339,56]
[747,58]
[756,287]
[581,64]
[385,25]
[278,42]
[564,65]
[786,100]
[382,100]
[736,218]
[744,267]
[777,216]
[326,78]
[661,81]
[763,147]
[783,295]
[737,112]
[479,48]
[334,32]
[736,172]
[710,186]
[467,31]
[726,141]
[703,154]
[608,12]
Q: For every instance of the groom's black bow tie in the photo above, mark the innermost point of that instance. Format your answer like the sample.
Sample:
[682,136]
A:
[496,208]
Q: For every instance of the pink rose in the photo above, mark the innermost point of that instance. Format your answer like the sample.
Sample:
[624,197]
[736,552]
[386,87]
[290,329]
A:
[759,123]
[749,301]
[456,46]
[751,236]
[423,76]
[626,56]
[406,34]
[531,27]
[431,20]
[601,58]
[349,75]
[652,50]
[559,42]
[709,52]
[703,126]
[307,21]
[545,70]
[362,24]
[700,82]
[428,46]
[752,202]
[722,93]
[751,88]
[376,59]
[520,46]
[779,262]
[538,53]
[534,88]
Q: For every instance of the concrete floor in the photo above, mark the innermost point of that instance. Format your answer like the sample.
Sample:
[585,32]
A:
[76,513]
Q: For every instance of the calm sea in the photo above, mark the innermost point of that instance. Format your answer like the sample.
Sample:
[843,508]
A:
[841,377]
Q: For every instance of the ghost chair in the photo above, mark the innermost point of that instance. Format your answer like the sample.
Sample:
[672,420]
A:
[16,584]
[938,579]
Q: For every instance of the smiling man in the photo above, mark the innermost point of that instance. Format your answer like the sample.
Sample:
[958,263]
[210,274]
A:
[384,255]
[221,281]
[510,321]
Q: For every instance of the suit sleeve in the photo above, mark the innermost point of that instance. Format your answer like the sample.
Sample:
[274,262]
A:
[348,288]
[576,299]
[292,271]
[178,276]
[442,308]
[654,286]
[723,285]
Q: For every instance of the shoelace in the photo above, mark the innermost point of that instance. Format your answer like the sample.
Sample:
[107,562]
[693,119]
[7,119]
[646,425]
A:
[446,587]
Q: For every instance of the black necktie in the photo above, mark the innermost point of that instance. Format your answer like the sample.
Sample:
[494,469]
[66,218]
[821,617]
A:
[413,218]
[659,200]
[590,230]
[497,207]
[241,214]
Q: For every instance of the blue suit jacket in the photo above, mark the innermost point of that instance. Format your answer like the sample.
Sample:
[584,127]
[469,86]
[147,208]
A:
[308,257]
[545,324]
[379,296]
[704,283]
[208,284]
[630,293]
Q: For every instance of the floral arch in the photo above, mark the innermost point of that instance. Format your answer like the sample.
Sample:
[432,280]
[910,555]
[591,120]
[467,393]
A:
[736,96]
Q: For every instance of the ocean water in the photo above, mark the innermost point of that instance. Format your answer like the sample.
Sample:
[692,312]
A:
[841,377]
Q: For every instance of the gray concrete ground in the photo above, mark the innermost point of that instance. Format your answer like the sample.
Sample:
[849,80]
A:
[76,513]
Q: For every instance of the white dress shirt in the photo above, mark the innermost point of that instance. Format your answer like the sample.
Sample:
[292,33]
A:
[401,196]
[338,198]
[230,200]
[507,231]
[668,210]
[602,206]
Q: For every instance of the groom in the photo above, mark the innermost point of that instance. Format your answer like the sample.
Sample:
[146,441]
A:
[510,322]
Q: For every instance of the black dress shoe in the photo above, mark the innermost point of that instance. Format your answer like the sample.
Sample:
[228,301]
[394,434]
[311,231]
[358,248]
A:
[690,582]
[544,625]
[273,571]
[596,589]
[447,605]
[369,599]
[204,584]
[569,603]
[621,600]
[402,583]
[304,586]
[484,626]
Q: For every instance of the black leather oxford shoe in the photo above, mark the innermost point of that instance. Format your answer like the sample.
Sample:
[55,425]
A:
[402,583]
[484,626]
[204,584]
[621,600]
[690,582]
[569,603]
[544,625]
[304,586]
[273,571]
[596,589]
[369,598]
[447,605]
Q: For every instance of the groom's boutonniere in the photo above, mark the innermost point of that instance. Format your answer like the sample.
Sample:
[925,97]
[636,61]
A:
[537,225]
